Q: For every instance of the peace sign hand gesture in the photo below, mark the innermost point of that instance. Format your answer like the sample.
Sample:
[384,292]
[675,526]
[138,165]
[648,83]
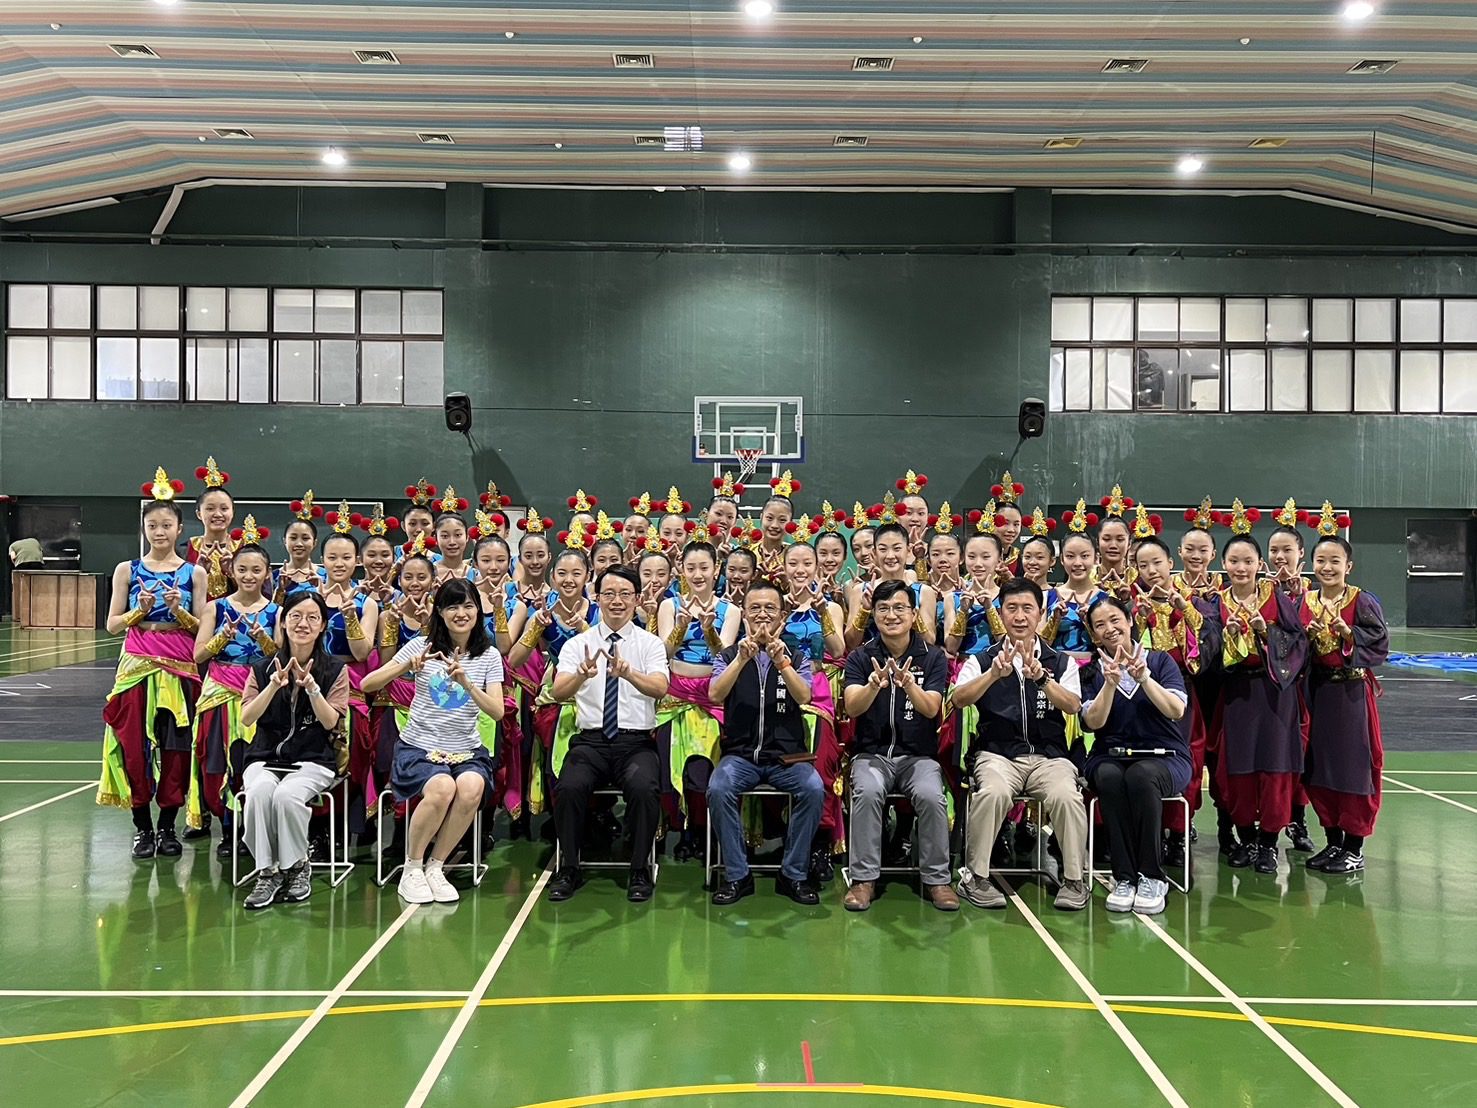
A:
[749,648]
[904,676]
[1031,667]
[172,599]
[1004,661]
[1112,670]
[281,674]
[590,666]
[879,676]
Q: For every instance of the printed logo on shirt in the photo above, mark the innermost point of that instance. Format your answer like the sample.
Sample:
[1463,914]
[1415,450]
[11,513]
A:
[446,693]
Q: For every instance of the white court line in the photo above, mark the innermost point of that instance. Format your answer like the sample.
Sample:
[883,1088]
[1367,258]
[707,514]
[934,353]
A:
[1420,680]
[1166,1087]
[459,1025]
[1434,772]
[1433,796]
[1320,1078]
[43,652]
[1313,1001]
[53,800]
[243,993]
[1441,793]
[259,1082]
[48,761]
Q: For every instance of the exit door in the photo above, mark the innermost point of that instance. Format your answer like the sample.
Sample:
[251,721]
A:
[1439,573]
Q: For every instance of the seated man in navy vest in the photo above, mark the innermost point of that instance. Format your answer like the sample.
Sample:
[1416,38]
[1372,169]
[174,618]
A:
[764,740]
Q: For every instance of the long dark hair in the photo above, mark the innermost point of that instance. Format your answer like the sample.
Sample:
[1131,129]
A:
[456,590]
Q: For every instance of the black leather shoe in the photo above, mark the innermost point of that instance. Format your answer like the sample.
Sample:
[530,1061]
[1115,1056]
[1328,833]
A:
[1242,855]
[201,832]
[801,892]
[1323,857]
[1344,862]
[1297,835]
[731,892]
[143,844]
[169,845]
[565,883]
[822,869]
[1174,851]
[639,887]
[223,850]
[1266,859]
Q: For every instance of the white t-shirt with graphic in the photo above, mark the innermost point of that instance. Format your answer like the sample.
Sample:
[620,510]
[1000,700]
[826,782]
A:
[443,715]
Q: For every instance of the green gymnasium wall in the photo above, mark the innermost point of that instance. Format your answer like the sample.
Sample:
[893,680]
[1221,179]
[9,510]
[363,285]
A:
[635,301]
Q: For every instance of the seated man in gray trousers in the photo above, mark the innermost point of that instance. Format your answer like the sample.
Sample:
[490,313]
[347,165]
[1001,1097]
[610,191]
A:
[895,685]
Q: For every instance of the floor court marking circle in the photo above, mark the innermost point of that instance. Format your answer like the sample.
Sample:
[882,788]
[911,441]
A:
[634,1096]
[1148,1006]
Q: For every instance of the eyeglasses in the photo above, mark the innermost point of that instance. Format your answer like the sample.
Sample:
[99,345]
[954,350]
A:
[894,610]
[624,594]
[764,609]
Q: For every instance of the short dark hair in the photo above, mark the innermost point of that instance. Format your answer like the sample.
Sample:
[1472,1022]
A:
[308,523]
[1247,539]
[318,660]
[888,589]
[991,536]
[1112,602]
[1293,531]
[1156,542]
[1103,526]
[742,552]
[456,590]
[1017,585]
[893,529]
[163,506]
[444,516]
[345,535]
[252,548]
[625,574]
[1083,535]
[1339,541]
[763,584]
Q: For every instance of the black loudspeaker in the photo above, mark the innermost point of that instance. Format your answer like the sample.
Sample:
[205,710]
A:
[1031,421]
[459,412]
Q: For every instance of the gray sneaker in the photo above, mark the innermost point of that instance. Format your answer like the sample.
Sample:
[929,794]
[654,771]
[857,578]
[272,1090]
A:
[264,892]
[1073,896]
[1150,895]
[297,882]
[982,893]
[1121,898]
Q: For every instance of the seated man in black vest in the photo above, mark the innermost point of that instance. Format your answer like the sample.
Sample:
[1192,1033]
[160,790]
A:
[1025,691]
[764,740]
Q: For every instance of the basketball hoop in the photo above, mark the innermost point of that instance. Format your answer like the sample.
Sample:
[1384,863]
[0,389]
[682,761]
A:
[748,459]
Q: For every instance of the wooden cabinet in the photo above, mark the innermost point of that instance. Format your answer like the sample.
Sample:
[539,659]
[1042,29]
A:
[52,599]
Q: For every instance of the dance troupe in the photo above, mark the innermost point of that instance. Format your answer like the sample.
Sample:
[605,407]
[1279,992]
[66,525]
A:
[858,684]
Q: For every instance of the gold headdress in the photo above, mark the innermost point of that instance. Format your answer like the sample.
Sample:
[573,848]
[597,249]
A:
[984,521]
[376,524]
[605,527]
[580,502]
[249,534]
[1330,522]
[911,484]
[575,538]
[1079,519]
[1204,517]
[727,486]
[534,523]
[342,521]
[484,526]
[830,519]
[1040,523]
[641,505]
[1008,491]
[1241,518]
[451,502]
[211,474]
[675,505]
[162,488]
[945,522]
[1289,516]
[785,485]
[1115,503]
[860,517]
[304,508]
[886,512]
[1146,526]
[421,494]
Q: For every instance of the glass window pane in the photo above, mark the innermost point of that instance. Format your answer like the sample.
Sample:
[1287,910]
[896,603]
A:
[1200,320]
[1071,318]
[1287,319]
[1333,380]
[117,369]
[1246,320]
[71,368]
[27,308]
[1112,380]
[1420,380]
[1333,321]
[158,369]
[1420,321]
[1079,380]
[292,310]
[337,370]
[71,307]
[1155,379]
[423,374]
[251,364]
[117,308]
[1374,321]
[246,309]
[1289,380]
[380,377]
[379,312]
[1459,380]
[205,309]
[423,313]
[296,371]
[1159,318]
[1200,374]
[1054,388]
[1247,381]
[1460,320]
[334,314]
[25,367]
[1374,380]
[205,370]
[159,308]
[1112,318]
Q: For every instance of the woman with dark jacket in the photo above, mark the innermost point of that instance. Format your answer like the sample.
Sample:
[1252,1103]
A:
[297,699]
[1140,755]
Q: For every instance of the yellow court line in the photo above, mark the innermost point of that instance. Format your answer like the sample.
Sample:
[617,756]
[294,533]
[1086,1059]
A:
[709,998]
[675,1091]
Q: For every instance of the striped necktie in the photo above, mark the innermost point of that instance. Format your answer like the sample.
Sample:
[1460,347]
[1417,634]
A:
[611,721]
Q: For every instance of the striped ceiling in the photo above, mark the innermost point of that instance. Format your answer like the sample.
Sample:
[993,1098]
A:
[969,106]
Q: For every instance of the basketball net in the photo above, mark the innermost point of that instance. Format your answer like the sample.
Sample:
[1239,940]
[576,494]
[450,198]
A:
[748,459]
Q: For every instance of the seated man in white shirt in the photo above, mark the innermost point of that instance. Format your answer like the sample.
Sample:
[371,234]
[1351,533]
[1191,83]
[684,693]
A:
[615,672]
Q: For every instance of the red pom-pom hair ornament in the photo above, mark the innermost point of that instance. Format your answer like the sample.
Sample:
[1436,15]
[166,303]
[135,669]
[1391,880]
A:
[616,525]
[874,512]
[735,532]
[817,523]
[412,491]
[1344,519]
[791,527]
[1254,514]
[1091,519]
[296,506]
[715,530]
[430,541]
[1157,521]
[718,483]
[775,482]
[688,525]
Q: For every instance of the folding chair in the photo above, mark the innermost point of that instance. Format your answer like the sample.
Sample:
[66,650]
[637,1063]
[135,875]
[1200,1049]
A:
[1032,805]
[338,865]
[385,817]
[713,851]
[1108,873]
[651,863]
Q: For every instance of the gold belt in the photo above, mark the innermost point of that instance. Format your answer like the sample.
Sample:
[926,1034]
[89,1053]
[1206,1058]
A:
[442,758]
[1346,674]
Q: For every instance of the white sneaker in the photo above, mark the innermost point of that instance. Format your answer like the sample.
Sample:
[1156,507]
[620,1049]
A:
[1149,897]
[1121,898]
[442,890]
[414,889]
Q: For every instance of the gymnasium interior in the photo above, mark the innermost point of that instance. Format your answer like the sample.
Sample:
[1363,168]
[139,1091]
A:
[1185,249]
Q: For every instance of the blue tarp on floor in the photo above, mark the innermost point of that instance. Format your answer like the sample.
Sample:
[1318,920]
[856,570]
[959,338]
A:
[1450,663]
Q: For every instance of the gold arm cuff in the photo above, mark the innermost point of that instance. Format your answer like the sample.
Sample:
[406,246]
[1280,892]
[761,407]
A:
[500,619]
[134,617]
[828,625]
[531,637]
[674,640]
[265,642]
[353,629]
[217,644]
[712,638]
[389,629]
[960,625]
[187,620]
[860,620]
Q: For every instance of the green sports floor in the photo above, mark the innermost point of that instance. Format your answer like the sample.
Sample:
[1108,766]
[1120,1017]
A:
[124,983]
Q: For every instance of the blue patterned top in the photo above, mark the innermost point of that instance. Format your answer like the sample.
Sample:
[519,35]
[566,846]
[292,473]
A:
[156,581]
